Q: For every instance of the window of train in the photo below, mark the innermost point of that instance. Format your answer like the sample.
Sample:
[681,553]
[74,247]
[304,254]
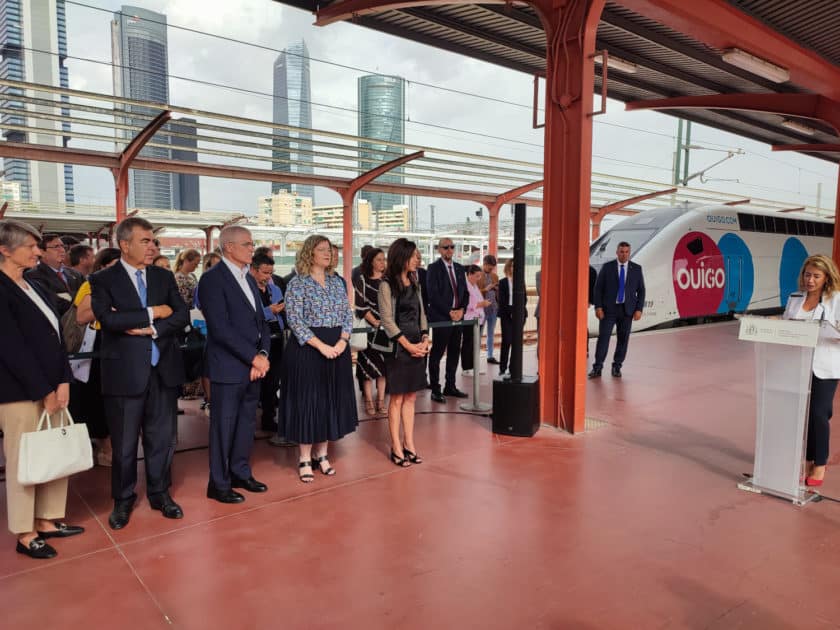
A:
[603,250]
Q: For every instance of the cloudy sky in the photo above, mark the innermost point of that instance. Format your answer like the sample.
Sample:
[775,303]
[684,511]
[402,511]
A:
[638,144]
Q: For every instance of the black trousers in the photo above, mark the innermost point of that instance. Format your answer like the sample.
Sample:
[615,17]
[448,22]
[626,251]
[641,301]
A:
[154,415]
[233,418]
[622,324]
[270,384]
[467,337]
[506,320]
[819,413]
[446,340]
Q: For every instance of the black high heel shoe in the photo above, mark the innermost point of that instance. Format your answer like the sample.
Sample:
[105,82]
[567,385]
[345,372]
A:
[402,462]
[316,461]
[414,458]
[306,477]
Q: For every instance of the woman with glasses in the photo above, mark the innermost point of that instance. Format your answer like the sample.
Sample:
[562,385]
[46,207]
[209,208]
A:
[318,394]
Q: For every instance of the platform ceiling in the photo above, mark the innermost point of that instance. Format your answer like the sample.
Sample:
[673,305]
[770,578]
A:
[670,63]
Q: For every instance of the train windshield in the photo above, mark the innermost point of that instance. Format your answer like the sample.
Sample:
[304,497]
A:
[603,250]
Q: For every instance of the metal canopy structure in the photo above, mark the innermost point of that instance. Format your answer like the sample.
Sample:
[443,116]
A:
[763,69]
[664,61]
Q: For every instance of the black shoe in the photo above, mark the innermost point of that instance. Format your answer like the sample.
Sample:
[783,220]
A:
[595,373]
[414,458]
[164,504]
[121,514]
[63,530]
[493,361]
[454,392]
[37,549]
[250,484]
[317,461]
[224,496]
[438,397]
[616,371]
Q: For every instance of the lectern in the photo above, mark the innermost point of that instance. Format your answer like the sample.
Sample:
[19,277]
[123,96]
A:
[784,350]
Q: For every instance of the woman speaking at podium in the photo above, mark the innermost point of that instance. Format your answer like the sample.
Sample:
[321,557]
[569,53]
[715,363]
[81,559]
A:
[819,299]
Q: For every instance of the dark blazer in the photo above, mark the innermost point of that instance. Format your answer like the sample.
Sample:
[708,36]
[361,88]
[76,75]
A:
[236,331]
[606,289]
[33,360]
[438,293]
[504,297]
[126,359]
[49,281]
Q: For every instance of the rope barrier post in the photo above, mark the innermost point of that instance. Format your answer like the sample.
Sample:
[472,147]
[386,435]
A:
[476,404]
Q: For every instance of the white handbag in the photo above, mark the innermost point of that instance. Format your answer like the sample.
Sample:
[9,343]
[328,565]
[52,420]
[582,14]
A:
[55,452]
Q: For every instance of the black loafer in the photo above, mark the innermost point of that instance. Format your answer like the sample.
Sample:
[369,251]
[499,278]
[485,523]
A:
[454,392]
[493,361]
[250,484]
[616,372]
[224,496]
[594,374]
[37,549]
[63,530]
[164,504]
[120,515]
[438,397]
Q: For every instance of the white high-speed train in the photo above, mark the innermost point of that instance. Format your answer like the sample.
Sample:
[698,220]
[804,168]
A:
[701,261]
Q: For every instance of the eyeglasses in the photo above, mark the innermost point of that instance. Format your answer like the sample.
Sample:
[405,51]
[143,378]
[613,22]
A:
[56,247]
[248,245]
[447,247]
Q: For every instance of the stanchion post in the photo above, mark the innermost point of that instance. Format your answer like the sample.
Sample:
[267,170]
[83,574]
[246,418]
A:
[476,404]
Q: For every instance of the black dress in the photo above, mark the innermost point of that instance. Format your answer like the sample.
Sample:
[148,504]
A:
[370,363]
[406,374]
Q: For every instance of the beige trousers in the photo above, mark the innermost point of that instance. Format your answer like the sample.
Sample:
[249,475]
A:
[26,503]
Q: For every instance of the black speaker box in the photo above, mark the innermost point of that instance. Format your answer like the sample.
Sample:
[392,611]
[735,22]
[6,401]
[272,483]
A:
[516,407]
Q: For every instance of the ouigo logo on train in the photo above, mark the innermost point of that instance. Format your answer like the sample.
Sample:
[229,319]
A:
[699,275]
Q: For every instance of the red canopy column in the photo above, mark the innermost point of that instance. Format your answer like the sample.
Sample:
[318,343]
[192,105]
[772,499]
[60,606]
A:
[570,74]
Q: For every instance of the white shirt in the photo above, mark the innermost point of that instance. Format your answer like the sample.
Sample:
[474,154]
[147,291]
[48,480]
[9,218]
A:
[33,295]
[132,274]
[827,353]
[241,276]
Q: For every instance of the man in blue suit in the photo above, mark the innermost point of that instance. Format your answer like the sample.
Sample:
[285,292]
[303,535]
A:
[447,297]
[619,298]
[142,317]
[238,345]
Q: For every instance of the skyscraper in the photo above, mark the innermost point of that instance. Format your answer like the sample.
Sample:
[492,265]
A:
[188,197]
[293,106]
[139,51]
[382,117]
[27,26]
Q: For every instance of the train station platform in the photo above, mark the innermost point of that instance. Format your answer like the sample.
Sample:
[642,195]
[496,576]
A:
[637,523]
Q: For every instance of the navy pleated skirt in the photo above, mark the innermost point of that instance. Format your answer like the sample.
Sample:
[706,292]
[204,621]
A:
[319,398]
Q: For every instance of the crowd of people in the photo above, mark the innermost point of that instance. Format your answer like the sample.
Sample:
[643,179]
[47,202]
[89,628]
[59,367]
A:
[109,337]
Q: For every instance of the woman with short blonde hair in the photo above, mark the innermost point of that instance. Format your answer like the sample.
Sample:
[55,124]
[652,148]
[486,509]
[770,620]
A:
[819,299]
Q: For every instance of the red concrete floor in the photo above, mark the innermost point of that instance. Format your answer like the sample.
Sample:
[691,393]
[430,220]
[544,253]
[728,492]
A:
[637,524]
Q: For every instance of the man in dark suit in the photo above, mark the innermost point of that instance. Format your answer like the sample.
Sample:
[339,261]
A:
[238,345]
[447,297]
[142,317]
[619,298]
[59,281]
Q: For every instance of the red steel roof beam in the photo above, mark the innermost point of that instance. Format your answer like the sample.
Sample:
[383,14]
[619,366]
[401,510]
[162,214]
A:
[349,9]
[493,212]
[812,148]
[598,214]
[720,25]
[737,202]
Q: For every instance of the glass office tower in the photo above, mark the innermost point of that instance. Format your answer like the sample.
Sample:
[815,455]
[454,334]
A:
[293,106]
[382,117]
[33,45]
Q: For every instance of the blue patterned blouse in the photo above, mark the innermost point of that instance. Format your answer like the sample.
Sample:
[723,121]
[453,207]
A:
[309,305]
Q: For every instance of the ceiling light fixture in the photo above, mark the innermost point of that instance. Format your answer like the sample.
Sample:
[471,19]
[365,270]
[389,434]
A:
[756,65]
[799,127]
[616,63]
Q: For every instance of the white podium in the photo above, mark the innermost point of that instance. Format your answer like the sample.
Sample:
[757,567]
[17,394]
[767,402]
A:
[784,351]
